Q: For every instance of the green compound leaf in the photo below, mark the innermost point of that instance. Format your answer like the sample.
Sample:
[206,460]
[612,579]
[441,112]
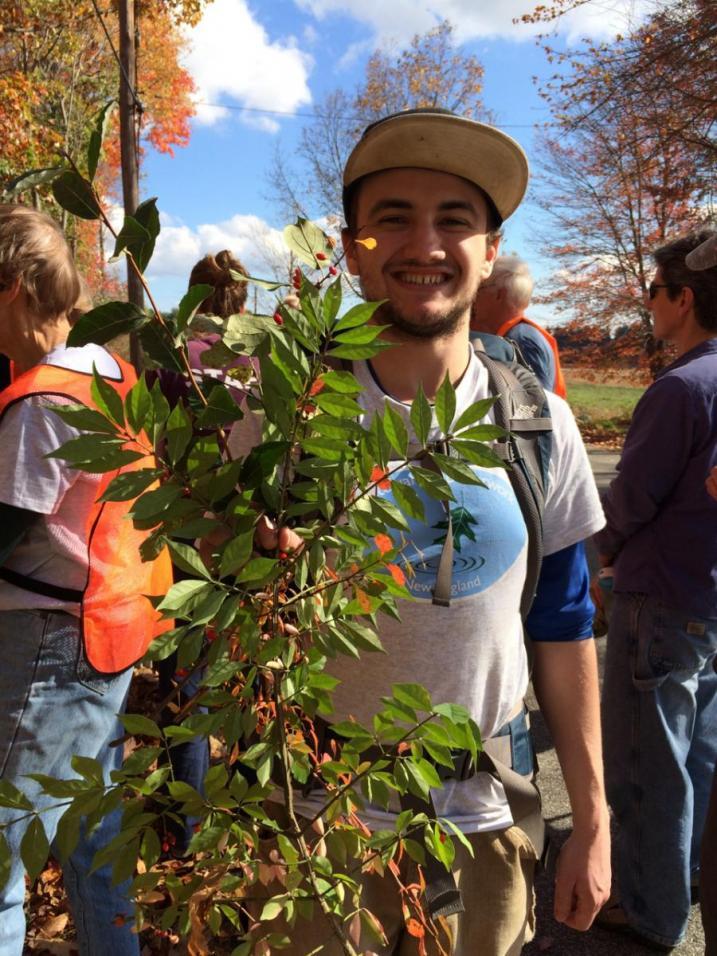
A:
[445,405]
[97,137]
[421,416]
[12,798]
[107,398]
[189,304]
[34,848]
[106,322]
[75,194]
[305,240]
[140,725]
[29,180]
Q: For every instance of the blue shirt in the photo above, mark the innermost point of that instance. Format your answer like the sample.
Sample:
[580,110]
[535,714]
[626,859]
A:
[536,351]
[661,523]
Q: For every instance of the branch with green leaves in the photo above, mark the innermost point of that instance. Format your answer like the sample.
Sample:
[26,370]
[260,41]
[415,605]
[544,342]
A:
[264,626]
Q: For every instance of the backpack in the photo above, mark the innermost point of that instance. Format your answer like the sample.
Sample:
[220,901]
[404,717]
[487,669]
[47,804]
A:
[521,408]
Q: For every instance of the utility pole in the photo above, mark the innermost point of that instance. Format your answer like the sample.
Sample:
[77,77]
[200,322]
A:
[129,111]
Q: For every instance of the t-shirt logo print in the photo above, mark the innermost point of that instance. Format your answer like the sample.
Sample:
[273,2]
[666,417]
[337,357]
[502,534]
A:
[462,521]
[488,535]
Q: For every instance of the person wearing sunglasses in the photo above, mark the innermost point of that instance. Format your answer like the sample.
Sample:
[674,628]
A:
[660,688]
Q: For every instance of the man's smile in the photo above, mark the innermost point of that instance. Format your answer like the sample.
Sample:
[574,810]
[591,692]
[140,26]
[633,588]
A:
[421,278]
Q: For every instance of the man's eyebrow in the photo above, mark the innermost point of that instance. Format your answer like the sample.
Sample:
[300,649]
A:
[448,206]
[389,203]
[463,204]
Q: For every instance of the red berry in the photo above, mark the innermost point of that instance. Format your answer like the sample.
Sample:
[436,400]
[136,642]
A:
[197,827]
[333,271]
[321,256]
[278,319]
[283,555]
[165,846]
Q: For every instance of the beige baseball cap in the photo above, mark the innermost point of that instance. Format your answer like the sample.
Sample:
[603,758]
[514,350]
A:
[441,140]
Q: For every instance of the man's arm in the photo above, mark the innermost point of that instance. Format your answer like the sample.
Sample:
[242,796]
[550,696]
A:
[566,684]
[565,679]
[657,446]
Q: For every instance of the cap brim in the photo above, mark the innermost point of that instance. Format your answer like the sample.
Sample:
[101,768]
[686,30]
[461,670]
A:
[450,144]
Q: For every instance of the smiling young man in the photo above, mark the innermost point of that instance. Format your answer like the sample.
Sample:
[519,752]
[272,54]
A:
[431,190]
[660,690]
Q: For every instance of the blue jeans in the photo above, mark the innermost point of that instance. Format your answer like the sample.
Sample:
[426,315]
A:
[190,760]
[660,736]
[522,751]
[53,706]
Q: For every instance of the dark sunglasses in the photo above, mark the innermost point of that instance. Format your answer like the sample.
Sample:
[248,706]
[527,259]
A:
[654,286]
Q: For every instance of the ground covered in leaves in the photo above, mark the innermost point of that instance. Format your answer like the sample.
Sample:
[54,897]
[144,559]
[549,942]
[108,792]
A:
[50,929]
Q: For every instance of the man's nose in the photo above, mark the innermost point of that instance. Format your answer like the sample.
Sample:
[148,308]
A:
[425,242]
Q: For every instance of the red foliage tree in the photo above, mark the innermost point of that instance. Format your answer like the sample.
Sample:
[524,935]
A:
[631,163]
[58,68]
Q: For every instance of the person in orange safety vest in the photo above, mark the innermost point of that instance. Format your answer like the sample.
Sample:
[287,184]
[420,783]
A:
[499,308]
[74,612]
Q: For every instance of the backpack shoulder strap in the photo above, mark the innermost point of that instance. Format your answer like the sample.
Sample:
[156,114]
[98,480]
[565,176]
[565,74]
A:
[521,409]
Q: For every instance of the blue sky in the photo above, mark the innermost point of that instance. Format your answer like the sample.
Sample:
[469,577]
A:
[260,65]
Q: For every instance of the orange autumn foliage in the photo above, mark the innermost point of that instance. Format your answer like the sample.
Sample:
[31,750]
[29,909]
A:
[57,70]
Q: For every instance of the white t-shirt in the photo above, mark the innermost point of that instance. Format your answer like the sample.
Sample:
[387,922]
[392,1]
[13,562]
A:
[471,653]
[54,549]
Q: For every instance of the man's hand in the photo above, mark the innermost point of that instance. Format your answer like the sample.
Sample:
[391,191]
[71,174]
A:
[582,879]
[269,537]
[711,483]
[266,536]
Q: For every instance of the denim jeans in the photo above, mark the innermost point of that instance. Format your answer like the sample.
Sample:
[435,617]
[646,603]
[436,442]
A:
[660,737]
[708,883]
[53,706]
[190,760]
[522,751]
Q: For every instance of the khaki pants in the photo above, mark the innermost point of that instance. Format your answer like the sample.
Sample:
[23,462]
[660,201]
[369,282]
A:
[497,890]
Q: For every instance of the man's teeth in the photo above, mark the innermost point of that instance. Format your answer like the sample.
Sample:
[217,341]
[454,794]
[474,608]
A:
[419,278]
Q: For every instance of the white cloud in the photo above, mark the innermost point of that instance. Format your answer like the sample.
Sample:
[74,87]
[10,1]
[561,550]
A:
[233,61]
[179,247]
[402,19]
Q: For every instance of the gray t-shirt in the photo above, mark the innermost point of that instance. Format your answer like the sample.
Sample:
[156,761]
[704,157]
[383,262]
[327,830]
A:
[471,653]
[54,549]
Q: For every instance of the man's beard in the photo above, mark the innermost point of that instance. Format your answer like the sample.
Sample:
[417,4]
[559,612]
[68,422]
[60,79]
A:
[437,327]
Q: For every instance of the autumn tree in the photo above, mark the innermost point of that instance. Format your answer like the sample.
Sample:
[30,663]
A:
[429,72]
[667,67]
[624,168]
[58,69]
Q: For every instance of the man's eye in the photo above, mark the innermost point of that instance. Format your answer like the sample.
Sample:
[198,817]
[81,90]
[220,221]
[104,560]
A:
[393,220]
[454,223]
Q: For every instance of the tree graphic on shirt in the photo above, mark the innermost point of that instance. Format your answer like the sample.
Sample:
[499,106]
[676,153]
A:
[462,520]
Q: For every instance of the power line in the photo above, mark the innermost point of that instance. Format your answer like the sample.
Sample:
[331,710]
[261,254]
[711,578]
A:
[130,87]
[313,115]
[249,109]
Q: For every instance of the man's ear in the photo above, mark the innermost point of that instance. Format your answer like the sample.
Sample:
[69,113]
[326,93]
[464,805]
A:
[347,240]
[491,254]
[687,298]
[10,291]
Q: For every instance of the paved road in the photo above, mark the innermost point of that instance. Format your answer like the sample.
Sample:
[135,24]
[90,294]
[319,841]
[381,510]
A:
[552,937]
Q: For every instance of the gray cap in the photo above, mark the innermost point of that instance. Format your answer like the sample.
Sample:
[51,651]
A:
[441,140]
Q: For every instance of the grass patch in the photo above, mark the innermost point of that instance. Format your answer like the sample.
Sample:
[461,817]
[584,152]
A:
[603,412]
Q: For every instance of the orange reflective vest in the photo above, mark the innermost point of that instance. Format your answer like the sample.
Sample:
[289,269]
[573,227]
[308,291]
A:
[117,620]
[559,388]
